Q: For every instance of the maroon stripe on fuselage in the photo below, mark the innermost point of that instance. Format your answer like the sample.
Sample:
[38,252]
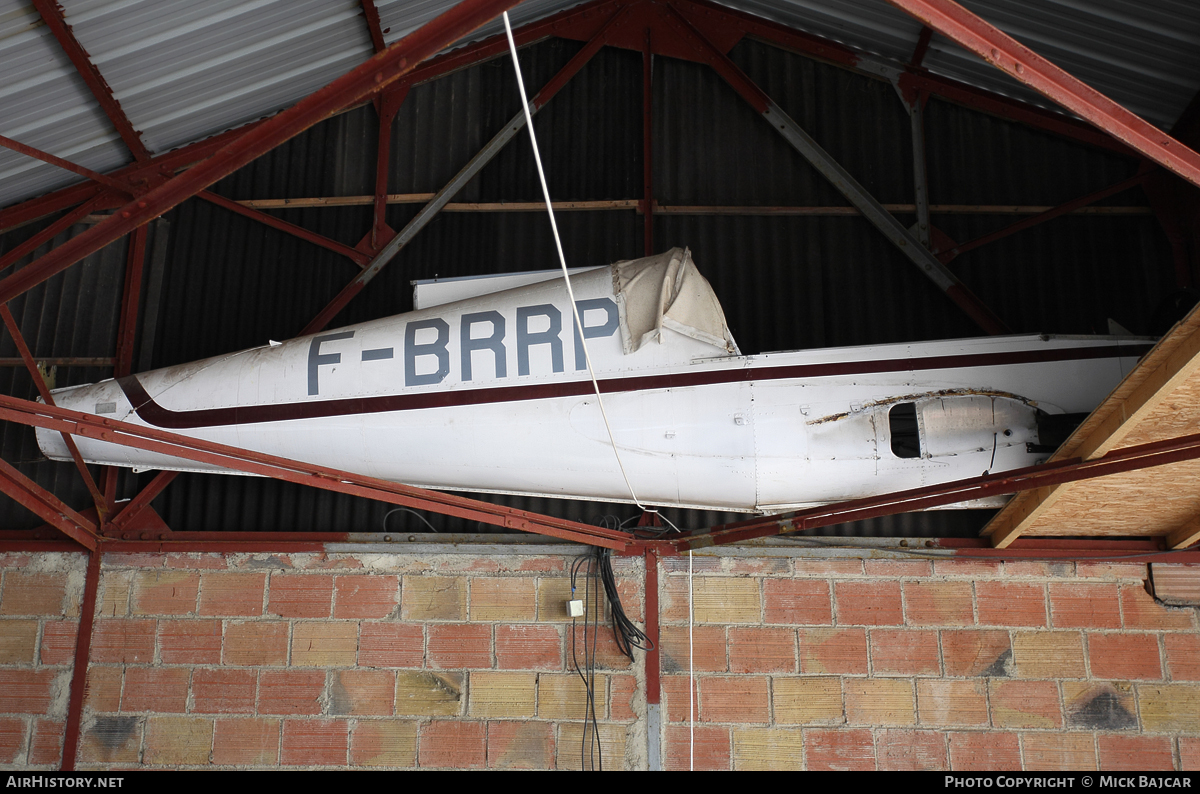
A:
[156,415]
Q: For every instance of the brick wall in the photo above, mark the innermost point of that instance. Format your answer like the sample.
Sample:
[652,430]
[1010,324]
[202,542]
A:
[463,660]
[39,617]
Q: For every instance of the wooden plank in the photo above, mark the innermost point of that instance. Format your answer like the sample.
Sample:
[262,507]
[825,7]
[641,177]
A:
[1185,535]
[627,204]
[1124,416]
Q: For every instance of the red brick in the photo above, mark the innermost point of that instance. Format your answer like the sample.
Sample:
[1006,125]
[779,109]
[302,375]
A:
[1134,753]
[1089,606]
[984,752]
[1183,656]
[58,641]
[833,651]
[453,744]
[630,591]
[909,568]
[123,641]
[727,699]
[392,743]
[159,689]
[391,645]
[972,653]
[624,689]
[138,560]
[1111,570]
[1039,569]
[1141,611]
[196,560]
[1011,603]
[176,741]
[520,745]
[762,650]
[698,564]
[949,702]
[868,603]
[938,604]
[712,748]
[976,569]
[362,692]
[252,741]
[840,750]
[232,593]
[9,560]
[301,595]
[1053,752]
[529,647]
[189,641]
[256,644]
[708,649]
[290,691]
[1025,704]
[676,703]
[365,596]
[223,691]
[12,739]
[33,594]
[47,744]
[1189,754]
[539,564]
[901,750]
[165,592]
[904,652]
[315,743]
[762,566]
[103,689]
[802,602]
[607,655]
[824,567]
[454,646]
[1125,656]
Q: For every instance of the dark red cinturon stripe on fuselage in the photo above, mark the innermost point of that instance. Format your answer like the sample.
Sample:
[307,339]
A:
[154,414]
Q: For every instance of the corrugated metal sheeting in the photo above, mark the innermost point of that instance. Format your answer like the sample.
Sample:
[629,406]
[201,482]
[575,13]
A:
[184,70]
[785,281]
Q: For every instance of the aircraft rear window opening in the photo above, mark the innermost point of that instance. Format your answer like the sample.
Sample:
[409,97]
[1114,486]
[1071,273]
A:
[906,437]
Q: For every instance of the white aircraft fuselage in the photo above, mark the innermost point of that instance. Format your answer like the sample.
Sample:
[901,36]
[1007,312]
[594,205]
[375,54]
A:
[491,394]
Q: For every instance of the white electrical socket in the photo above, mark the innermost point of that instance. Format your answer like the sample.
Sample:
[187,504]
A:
[575,609]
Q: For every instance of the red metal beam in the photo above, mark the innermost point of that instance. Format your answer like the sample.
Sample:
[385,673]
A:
[47,506]
[706,16]
[19,252]
[922,47]
[136,506]
[707,52]
[498,141]
[83,651]
[127,325]
[235,459]
[348,90]
[1142,456]
[386,107]
[152,172]
[356,256]
[1042,217]
[44,391]
[52,15]
[67,165]
[371,17]
[1026,66]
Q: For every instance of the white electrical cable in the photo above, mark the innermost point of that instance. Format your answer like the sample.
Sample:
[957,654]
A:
[512,46]
[691,676]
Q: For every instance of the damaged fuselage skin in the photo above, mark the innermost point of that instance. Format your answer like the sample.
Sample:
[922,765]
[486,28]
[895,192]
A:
[491,394]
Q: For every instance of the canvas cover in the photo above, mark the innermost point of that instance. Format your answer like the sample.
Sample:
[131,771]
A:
[667,291]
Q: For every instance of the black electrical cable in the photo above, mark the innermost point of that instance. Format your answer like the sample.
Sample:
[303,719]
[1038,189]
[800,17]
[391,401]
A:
[589,741]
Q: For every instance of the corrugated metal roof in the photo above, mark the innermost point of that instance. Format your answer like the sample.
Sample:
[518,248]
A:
[44,103]
[184,70]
